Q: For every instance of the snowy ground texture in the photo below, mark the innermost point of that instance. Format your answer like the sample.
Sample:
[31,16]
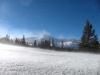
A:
[16,60]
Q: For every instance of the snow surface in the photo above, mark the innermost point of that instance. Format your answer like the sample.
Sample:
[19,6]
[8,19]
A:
[15,60]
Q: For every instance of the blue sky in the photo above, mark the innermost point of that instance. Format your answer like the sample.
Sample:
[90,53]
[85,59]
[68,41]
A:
[59,18]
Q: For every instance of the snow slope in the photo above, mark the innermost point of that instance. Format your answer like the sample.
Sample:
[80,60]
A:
[16,60]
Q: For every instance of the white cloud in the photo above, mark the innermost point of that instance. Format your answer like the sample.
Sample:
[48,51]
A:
[40,34]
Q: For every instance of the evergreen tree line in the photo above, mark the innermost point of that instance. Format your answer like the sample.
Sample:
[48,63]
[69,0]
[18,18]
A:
[89,40]
[21,41]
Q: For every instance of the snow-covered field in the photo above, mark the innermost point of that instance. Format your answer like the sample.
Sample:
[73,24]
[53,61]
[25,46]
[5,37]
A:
[16,60]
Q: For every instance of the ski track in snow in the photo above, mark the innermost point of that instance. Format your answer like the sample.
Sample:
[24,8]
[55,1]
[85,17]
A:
[15,60]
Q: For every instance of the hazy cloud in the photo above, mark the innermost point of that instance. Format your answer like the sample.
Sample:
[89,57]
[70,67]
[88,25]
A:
[72,36]
[61,36]
[6,29]
[25,2]
[20,33]
[5,10]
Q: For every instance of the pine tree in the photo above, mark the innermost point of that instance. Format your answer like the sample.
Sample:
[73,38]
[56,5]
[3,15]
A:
[7,37]
[89,38]
[23,40]
[35,44]
[16,40]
